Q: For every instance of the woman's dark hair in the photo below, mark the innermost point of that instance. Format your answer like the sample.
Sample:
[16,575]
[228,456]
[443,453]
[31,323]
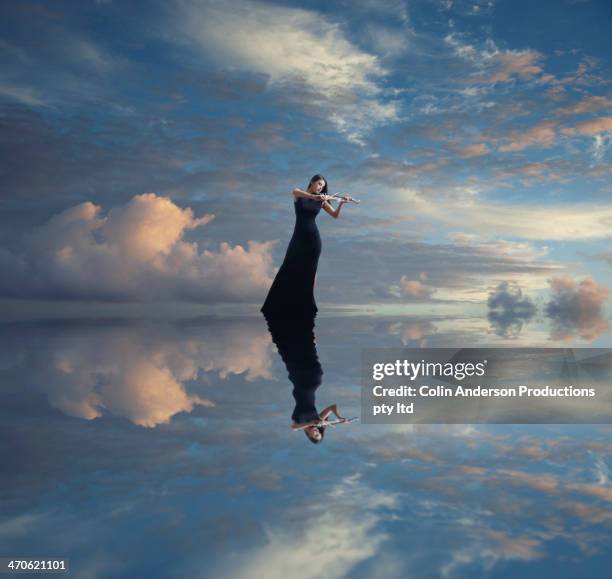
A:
[316,178]
[321,429]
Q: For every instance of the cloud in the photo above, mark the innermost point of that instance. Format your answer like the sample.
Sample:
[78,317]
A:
[557,170]
[130,371]
[134,254]
[390,8]
[52,60]
[393,172]
[488,547]
[20,525]
[509,309]
[92,56]
[387,41]
[305,54]
[593,515]
[601,471]
[600,146]
[542,482]
[599,491]
[577,308]
[137,388]
[339,532]
[474,150]
[460,271]
[592,127]
[524,64]
[553,222]
[538,171]
[589,104]
[23,94]
[493,65]
[416,289]
[542,135]
[106,156]
[416,332]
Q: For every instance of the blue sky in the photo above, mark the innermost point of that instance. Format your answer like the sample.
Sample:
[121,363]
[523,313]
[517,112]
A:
[149,149]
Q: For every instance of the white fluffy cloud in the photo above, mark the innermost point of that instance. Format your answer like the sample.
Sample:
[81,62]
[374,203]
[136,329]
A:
[298,49]
[136,253]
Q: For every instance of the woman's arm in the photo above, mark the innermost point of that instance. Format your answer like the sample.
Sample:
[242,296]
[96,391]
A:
[330,208]
[299,193]
[297,425]
[327,411]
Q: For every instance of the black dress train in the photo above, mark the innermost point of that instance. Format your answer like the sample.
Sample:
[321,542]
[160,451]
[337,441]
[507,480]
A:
[295,341]
[292,291]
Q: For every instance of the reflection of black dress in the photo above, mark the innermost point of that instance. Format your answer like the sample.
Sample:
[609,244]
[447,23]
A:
[292,292]
[296,345]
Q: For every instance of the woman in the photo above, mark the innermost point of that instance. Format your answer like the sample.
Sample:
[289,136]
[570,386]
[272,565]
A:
[292,291]
[313,429]
[296,345]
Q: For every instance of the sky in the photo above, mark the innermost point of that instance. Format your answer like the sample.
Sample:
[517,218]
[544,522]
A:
[149,150]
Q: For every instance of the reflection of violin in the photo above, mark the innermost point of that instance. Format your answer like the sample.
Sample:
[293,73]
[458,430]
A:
[326,423]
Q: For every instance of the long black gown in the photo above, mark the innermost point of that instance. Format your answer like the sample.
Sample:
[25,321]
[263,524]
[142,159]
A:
[295,341]
[292,291]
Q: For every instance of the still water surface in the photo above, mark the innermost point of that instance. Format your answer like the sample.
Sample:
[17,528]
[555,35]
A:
[142,448]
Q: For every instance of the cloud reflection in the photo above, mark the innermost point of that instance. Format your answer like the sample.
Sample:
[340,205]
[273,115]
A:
[142,373]
[340,530]
[509,309]
[576,308]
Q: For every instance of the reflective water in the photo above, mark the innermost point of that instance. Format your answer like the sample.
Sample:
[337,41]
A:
[141,448]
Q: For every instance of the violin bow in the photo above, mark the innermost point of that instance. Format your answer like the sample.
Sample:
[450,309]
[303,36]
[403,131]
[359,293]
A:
[350,199]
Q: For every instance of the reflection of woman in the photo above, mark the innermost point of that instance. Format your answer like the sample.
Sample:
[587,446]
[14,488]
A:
[292,291]
[296,345]
[314,431]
